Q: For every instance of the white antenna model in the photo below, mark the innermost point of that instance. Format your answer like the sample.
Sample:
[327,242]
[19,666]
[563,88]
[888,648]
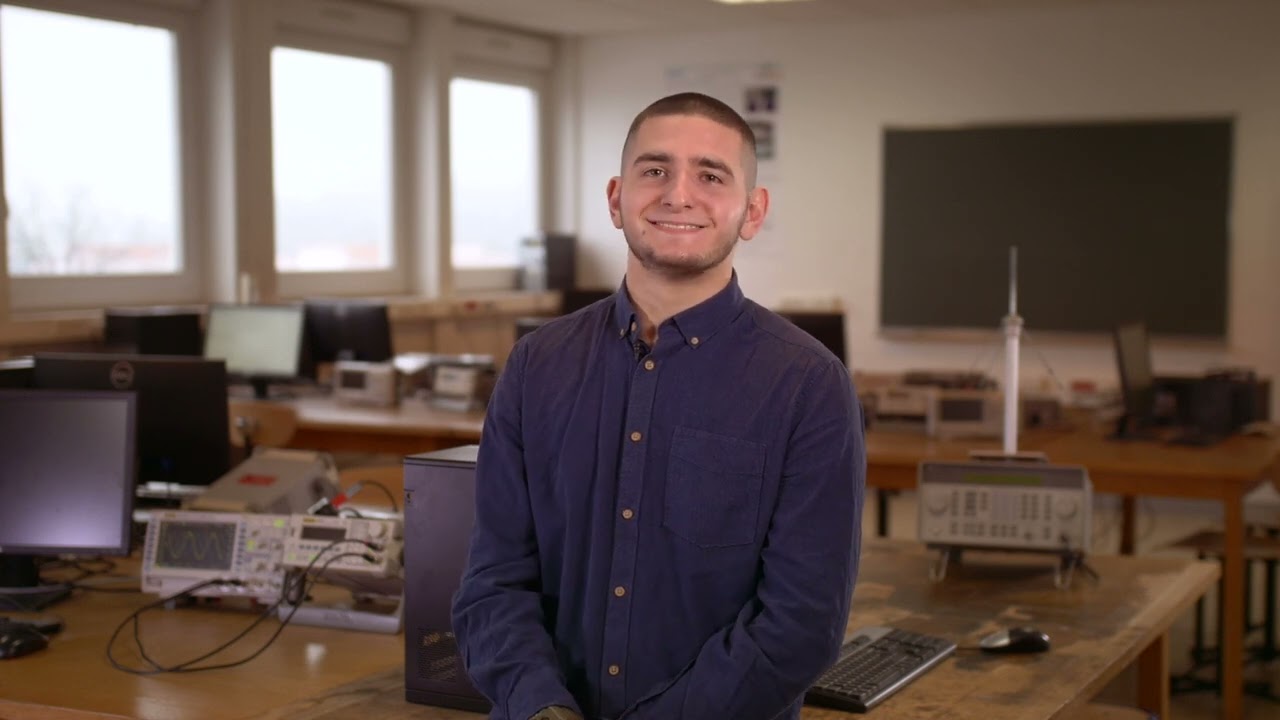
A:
[1012,339]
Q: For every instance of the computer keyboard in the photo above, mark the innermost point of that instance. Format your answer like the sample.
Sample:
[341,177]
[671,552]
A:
[874,665]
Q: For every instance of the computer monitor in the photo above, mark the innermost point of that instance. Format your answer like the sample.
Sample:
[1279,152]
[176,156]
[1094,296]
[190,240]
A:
[1137,381]
[348,330]
[66,479]
[826,327]
[153,331]
[574,299]
[183,430]
[259,343]
[15,373]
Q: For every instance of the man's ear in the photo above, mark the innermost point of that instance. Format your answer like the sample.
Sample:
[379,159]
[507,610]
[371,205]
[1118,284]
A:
[757,209]
[614,191]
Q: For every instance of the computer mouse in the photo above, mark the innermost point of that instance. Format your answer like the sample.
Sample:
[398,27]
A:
[1015,640]
[17,640]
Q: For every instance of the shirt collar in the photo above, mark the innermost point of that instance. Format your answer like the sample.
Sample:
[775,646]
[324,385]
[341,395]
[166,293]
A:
[697,324]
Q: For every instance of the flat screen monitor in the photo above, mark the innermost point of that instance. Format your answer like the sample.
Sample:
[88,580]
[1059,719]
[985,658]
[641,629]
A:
[15,373]
[183,431]
[153,331]
[348,330]
[259,343]
[66,479]
[1137,381]
[826,327]
[575,299]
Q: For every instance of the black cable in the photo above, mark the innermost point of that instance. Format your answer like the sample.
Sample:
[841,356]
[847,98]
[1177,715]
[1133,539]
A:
[186,667]
[390,497]
[94,588]
[283,623]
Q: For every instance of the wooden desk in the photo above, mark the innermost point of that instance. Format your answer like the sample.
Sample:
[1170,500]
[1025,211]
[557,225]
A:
[1225,473]
[409,428]
[1097,629]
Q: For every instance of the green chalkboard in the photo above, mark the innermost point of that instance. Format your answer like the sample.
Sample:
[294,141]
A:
[1114,222]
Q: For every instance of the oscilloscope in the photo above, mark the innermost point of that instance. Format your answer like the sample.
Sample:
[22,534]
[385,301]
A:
[186,547]
[253,552]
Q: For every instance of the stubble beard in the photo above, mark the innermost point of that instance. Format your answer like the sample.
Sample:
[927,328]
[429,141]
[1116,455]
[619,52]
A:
[685,267]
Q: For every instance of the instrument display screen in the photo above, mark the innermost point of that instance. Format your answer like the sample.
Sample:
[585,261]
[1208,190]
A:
[323,532]
[196,545]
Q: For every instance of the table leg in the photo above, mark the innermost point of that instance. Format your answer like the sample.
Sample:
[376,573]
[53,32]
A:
[882,512]
[1153,677]
[1128,524]
[1232,646]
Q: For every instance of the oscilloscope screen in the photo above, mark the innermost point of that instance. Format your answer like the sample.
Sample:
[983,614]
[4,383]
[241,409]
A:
[196,545]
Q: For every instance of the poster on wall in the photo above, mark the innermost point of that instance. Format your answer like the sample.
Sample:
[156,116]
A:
[753,89]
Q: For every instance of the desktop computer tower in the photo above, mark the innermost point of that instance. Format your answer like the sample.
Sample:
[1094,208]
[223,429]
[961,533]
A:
[17,373]
[439,512]
[562,260]
[153,331]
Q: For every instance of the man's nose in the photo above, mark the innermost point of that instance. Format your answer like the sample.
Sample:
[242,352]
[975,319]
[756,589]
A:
[679,191]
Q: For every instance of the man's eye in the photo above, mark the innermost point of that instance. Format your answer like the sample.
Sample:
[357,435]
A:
[712,178]
[654,172]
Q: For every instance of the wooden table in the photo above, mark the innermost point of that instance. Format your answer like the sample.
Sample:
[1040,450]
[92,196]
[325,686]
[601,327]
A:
[1224,473]
[1098,629]
[409,428]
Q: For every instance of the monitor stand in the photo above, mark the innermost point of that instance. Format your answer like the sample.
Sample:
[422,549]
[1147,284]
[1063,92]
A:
[20,587]
[1131,427]
[260,388]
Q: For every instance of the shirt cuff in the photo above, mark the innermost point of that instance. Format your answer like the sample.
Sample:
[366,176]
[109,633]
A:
[537,690]
[556,712]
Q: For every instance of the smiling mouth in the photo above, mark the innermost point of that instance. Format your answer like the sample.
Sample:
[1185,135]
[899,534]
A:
[676,227]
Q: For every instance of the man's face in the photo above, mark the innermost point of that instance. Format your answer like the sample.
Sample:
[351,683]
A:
[682,200]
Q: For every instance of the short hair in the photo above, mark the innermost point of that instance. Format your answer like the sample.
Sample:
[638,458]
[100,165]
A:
[700,105]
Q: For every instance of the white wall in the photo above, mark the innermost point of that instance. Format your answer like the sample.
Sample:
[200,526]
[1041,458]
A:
[842,83]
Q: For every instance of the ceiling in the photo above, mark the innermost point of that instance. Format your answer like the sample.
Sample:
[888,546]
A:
[594,17]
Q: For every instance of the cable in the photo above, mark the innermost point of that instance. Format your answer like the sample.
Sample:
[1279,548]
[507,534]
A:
[330,507]
[298,582]
[391,497]
[93,588]
[1053,376]
[82,566]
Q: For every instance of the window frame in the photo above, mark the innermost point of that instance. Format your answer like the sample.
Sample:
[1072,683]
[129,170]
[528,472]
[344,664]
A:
[33,294]
[506,277]
[392,280]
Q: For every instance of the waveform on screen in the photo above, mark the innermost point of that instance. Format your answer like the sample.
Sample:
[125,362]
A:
[204,546]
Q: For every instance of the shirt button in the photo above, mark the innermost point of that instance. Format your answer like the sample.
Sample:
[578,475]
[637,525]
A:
[649,365]
[619,591]
[694,341]
[614,670]
[627,514]
[635,436]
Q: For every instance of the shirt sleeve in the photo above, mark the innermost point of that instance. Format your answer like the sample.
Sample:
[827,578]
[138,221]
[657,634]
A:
[791,631]
[497,611]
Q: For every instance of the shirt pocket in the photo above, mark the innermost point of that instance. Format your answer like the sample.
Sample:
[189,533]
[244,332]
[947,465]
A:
[713,487]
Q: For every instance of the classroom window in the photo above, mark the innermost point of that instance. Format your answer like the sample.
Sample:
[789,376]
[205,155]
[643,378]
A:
[494,170]
[332,138]
[92,158]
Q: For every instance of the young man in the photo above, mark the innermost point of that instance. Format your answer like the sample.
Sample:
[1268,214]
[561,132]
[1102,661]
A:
[669,490]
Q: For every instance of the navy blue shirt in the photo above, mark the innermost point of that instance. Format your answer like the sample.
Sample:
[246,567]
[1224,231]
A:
[667,532]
